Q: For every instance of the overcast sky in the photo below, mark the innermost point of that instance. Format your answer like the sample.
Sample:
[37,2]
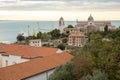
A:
[53,9]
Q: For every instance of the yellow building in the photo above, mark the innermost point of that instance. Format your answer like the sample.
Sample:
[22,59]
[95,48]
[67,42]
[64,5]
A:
[77,40]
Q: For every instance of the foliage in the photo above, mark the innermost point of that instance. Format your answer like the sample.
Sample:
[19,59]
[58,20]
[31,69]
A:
[99,60]
[70,26]
[97,75]
[82,66]
[63,35]
[31,37]
[106,28]
[65,40]
[106,54]
[63,72]
[45,37]
[46,45]
[20,38]
[55,34]
[39,35]
[61,46]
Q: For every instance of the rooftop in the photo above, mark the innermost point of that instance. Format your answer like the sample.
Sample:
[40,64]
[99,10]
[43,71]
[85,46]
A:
[77,34]
[36,40]
[33,67]
[26,51]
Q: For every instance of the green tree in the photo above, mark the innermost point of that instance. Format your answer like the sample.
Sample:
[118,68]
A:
[97,75]
[39,35]
[31,37]
[46,45]
[65,40]
[45,36]
[20,38]
[63,72]
[61,46]
[70,26]
[55,34]
[99,60]
[106,28]
[63,35]
[82,66]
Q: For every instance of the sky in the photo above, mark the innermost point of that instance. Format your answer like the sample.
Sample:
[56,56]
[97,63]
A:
[52,10]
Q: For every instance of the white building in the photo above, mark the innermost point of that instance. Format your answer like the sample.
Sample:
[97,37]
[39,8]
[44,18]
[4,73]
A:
[36,69]
[11,54]
[36,43]
[11,60]
[61,24]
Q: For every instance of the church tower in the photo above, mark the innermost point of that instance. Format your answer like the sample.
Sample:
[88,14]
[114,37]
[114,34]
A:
[61,24]
[90,18]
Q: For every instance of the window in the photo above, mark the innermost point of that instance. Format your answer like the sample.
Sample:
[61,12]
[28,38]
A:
[6,62]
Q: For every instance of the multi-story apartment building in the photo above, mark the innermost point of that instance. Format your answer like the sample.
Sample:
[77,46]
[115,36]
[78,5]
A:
[77,40]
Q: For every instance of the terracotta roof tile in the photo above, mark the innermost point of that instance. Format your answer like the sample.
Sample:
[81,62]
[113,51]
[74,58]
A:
[33,67]
[77,34]
[26,51]
[36,40]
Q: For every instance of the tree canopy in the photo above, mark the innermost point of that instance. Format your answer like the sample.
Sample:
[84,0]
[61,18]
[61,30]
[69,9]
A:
[20,37]
[99,60]
[70,26]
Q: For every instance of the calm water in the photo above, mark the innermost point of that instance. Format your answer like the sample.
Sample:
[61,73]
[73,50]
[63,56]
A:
[10,29]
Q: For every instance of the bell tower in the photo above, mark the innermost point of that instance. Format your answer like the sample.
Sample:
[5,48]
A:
[61,24]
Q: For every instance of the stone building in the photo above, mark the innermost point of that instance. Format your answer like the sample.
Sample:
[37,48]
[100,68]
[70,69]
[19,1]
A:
[91,25]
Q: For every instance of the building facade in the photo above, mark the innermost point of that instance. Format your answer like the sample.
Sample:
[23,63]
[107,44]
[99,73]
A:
[42,76]
[11,54]
[88,26]
[36,69]
[77,40]
[71,30]
[36,43]
[91,25]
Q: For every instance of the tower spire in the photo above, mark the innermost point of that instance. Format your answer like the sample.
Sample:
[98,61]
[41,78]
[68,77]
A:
[61,24]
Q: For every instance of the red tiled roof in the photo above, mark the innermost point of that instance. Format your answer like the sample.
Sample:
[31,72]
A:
[26,51]
[36,40]
[33,67]
[77,34]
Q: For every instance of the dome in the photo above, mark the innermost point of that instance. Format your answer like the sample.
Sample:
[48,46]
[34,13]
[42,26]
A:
[90,18]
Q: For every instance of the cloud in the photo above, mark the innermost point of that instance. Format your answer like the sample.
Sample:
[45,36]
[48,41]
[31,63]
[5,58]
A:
[64,5]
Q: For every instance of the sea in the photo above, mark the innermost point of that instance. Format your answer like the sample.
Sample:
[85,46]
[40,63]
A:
[9,29]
